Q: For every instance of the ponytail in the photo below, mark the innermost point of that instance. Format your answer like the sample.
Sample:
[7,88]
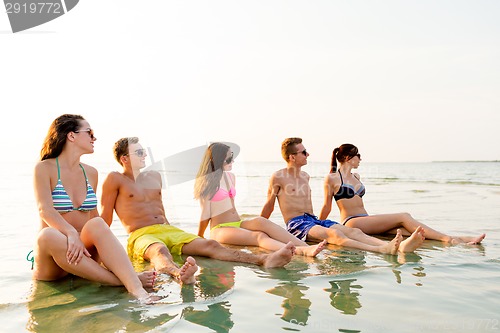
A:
[333,168]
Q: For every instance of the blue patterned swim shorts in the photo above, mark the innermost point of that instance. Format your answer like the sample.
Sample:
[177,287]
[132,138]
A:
[299,226]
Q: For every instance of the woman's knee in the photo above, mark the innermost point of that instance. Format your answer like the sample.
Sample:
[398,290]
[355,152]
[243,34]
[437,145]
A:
[96,226]
[50,236]
[406,216]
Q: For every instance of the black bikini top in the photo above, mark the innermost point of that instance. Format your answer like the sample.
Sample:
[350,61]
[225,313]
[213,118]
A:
[347,191]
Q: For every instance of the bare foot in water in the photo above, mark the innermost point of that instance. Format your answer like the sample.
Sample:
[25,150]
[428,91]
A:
[393,246]
[467,240]
[186,273]
[149,299]
[312,250]
[413,242]
[147,278]
[281,257]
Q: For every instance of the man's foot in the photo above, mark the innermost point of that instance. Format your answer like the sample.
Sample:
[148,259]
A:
[393,246]
[413,242]
[467,240]
[147,278]
[186,273]
[281,257]
[312,250]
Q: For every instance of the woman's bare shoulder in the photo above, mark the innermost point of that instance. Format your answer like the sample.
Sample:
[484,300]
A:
[332,178]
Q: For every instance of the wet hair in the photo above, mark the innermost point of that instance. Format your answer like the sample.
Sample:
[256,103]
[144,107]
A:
[288,147]
[120,147]
[58,133]
[342,154]
[210,173]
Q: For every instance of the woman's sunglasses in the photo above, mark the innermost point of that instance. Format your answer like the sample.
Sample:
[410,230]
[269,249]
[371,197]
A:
[89,131]
[230,159]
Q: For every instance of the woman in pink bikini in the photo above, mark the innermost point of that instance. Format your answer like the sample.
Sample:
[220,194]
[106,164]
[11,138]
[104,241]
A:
[215,189]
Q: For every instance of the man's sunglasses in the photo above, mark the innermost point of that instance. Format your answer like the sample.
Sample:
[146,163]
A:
[304,152]
[89,131]
[138,152]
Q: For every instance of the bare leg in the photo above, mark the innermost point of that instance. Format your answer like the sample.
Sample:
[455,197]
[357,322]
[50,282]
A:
[282,235]
[161,259]
[377,224]
[359,235]
[469,240]
[212,249]
[247,237]
[52,264]
[337,237]
[98,234]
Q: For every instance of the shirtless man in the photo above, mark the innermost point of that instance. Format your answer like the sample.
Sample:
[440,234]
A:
[291,187]
[137,199]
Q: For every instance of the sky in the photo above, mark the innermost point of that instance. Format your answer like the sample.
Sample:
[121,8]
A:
[405,81]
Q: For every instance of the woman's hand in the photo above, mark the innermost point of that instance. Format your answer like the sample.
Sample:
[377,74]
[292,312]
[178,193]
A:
[76,249]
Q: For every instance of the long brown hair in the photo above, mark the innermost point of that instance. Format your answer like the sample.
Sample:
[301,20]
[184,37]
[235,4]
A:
[342,154]
[57,135]
[210,173]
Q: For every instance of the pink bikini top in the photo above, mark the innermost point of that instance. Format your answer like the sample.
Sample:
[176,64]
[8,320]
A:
[222,194]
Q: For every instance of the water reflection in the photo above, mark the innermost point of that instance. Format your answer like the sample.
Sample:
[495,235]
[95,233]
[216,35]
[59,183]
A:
[295,305]
[343,298]
[217,317]
[74,304]
[215,280]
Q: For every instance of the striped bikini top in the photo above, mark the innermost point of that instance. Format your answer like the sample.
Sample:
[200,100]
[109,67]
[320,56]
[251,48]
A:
[62,201]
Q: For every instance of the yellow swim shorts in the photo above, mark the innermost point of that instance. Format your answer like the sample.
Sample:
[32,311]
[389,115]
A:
[173,237]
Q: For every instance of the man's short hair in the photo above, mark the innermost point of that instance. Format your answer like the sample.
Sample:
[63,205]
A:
[288,147]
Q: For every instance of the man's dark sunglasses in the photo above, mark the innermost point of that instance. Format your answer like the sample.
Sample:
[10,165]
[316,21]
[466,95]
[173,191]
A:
[304,152]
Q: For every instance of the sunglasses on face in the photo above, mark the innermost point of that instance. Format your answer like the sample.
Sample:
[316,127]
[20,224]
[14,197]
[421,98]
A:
[89,131]
[230,159]
[304,152]
[139,152]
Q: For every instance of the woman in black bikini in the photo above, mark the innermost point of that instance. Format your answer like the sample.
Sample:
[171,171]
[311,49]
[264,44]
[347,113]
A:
[347,190]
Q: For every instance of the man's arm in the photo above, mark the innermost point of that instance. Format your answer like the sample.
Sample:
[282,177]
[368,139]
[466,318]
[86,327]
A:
[110,188]
[272,193]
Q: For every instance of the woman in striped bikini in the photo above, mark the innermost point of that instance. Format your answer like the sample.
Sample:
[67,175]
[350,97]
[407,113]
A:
[73,239]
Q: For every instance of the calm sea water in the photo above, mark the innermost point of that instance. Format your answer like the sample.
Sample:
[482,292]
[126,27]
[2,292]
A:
[439,288]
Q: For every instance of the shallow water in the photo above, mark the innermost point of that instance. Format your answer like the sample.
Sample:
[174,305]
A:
[439,288]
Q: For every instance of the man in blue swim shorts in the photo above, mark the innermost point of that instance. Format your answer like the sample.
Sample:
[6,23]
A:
[291,187]
[136,197]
